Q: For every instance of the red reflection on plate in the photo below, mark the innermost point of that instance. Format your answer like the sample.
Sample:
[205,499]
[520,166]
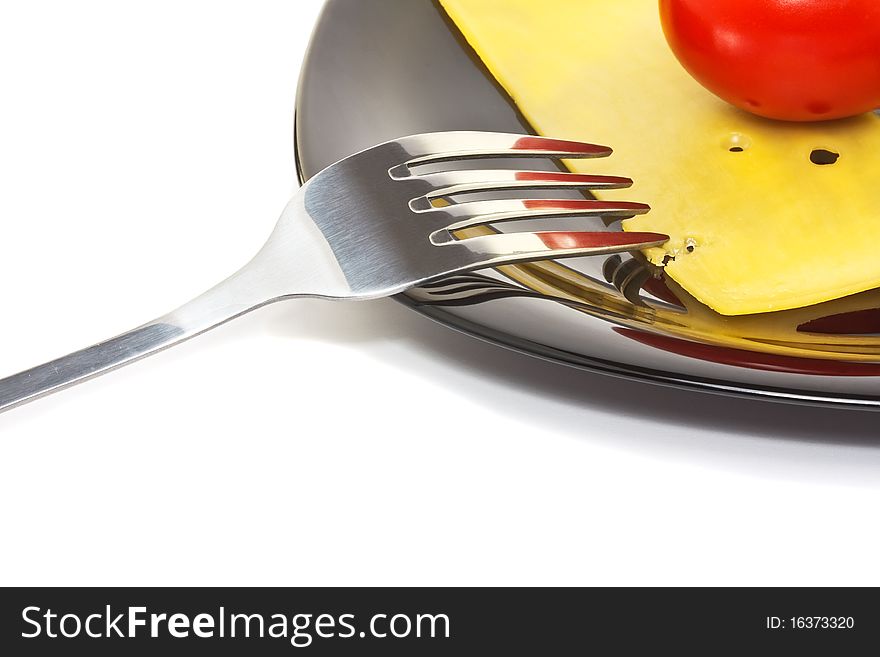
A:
[857,322]
[751,359]
[658,287]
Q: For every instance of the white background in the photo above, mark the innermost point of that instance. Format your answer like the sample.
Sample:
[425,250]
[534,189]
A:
[145,152]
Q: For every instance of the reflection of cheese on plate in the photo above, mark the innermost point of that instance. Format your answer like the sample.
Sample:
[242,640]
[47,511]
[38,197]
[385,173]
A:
[753,229]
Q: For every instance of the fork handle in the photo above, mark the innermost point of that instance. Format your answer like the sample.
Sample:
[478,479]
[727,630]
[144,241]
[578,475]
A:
[296,261]
[87,363]
[235,296]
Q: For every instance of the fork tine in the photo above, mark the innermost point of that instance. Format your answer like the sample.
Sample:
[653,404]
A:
[450,146]
[446,183]
[476,213]
[507,248]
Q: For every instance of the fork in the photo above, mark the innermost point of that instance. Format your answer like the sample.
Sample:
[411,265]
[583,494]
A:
[369,226]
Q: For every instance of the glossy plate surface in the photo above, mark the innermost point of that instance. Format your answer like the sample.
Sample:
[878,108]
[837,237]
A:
[380,69]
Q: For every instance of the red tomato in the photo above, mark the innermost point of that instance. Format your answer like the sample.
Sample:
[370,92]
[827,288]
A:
[800,60]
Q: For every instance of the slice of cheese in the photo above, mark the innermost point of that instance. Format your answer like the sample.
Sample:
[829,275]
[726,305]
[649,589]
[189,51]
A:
[754,229]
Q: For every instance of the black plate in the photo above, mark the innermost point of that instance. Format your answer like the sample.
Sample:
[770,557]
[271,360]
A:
[380,69]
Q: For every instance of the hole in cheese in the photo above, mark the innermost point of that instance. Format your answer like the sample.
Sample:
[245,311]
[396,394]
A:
[736,142]
[823,156]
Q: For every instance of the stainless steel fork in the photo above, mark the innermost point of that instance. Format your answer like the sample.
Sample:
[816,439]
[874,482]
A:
[368,226]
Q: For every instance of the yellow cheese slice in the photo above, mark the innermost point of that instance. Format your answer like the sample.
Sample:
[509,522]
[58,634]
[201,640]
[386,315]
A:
[753,229]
